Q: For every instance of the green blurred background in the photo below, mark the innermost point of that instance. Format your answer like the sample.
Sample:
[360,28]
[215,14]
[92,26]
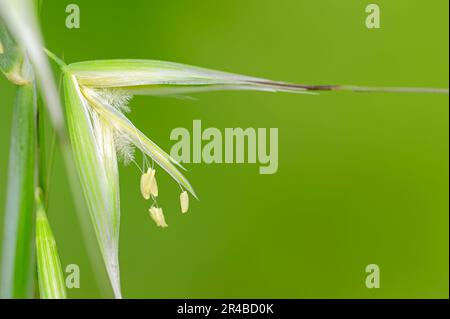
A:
[362,178]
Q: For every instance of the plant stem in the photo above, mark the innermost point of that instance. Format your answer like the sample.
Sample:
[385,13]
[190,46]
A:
[18,242]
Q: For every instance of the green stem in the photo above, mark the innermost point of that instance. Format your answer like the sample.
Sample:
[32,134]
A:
[18,242]
[41,150]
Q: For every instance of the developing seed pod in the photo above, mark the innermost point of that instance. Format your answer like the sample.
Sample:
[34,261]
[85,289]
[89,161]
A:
[148,184]
[157,215]
[184,202]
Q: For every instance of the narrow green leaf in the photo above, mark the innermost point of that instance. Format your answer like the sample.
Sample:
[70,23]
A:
[50,275]
[18,242]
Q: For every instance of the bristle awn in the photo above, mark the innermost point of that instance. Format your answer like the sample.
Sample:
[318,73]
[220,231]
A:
[365,89]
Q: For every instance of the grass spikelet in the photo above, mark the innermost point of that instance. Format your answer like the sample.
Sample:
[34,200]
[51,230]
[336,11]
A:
[50,275]
[94,152]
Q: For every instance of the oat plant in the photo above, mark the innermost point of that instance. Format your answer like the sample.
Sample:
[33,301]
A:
[23,62]
[97,97]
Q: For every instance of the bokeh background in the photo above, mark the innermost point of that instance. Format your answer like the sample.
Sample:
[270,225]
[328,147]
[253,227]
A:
[363,178]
